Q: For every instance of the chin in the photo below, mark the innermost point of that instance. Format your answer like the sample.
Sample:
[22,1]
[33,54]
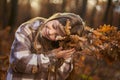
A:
[52,39]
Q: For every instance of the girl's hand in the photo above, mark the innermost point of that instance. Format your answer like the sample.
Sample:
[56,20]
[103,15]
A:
[59,53]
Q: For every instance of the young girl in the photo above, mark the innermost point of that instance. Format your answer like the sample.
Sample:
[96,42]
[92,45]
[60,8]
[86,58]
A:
[35,53]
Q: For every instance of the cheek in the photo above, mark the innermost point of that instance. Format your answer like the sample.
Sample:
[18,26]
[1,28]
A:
[52,37]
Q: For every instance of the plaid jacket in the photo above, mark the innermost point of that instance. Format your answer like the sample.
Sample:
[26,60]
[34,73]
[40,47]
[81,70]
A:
[26,65]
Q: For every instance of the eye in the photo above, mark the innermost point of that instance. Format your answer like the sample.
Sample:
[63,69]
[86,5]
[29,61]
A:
[54,26]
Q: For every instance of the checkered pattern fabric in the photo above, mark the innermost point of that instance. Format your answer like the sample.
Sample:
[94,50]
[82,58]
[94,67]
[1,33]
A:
[27,65]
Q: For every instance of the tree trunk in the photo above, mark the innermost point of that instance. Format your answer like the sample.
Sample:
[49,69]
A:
[13,15]
[93,15]
[107,11]
[83,11]
[3,9]
[64,5]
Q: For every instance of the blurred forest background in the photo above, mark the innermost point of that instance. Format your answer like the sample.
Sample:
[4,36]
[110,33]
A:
[93,12]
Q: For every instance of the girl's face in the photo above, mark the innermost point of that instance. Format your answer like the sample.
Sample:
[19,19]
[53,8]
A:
[53,29]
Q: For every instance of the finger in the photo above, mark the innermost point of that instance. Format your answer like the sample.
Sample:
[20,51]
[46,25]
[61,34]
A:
[70,50]
[67,56]
[60,48]
[70,53]
[66,52]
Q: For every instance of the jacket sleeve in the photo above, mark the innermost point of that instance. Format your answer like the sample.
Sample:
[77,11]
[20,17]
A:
[21,58]
[65,69]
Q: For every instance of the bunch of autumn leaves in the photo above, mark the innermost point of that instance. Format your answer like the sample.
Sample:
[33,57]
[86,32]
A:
[102,42]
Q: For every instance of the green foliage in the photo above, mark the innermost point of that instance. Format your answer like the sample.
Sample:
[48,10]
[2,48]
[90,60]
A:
[85,77]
